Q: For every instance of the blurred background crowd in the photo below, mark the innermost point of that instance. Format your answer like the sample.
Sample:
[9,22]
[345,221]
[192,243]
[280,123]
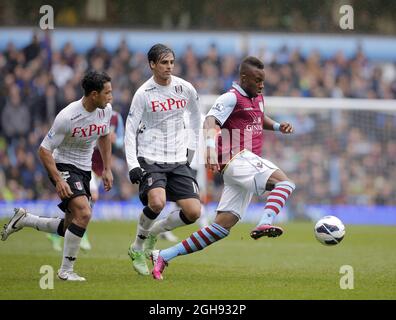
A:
[335,156]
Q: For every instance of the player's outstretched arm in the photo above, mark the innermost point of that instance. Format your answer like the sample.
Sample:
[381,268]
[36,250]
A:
[272,125]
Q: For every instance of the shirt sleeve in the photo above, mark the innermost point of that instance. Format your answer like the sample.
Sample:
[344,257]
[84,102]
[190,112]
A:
[131,128]
[109,112]
[119,131]
[56,134]
[195,119]
[223,107]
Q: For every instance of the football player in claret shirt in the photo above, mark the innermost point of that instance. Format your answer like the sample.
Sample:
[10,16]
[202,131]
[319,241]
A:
[158,151]
[66,154]
[240,115]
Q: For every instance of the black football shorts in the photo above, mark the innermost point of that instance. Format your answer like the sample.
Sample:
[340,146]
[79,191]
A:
[177,180]
[77,179]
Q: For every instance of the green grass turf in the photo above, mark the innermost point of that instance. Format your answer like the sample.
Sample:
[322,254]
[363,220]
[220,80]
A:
[293,266]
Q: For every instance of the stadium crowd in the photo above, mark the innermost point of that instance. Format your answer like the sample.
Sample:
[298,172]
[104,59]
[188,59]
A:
[336,158]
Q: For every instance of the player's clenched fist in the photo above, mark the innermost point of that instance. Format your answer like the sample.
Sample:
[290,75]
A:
[286,127]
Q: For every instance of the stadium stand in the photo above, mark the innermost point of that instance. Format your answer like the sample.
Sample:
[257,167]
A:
[39,81]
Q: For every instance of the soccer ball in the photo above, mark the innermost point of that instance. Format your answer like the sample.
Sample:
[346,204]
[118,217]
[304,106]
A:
[329,230]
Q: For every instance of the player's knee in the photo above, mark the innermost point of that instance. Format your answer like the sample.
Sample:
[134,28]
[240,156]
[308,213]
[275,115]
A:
[85,217]
[191,209]
[82,214]
[192,215]
[157,204]
[189,215]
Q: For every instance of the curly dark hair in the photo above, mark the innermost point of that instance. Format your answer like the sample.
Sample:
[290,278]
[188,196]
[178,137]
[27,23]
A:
[94,81]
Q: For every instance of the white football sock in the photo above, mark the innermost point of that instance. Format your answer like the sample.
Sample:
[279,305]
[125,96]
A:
[44,224]
[71,246]
[142,231]
[172,221]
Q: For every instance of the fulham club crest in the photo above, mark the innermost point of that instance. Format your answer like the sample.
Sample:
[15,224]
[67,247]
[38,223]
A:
[78,185]
[179,89]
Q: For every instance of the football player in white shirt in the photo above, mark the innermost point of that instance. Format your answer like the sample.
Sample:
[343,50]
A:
[158,147]
[199,171]
[66,153]
[117,139]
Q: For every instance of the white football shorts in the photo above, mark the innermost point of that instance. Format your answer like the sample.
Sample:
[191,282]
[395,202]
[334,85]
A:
[239,181]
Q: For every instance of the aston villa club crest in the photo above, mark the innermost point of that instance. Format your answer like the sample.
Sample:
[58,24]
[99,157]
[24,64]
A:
[179,89]
[78,185]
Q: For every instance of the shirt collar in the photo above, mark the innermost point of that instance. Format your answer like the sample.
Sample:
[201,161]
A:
[237,87]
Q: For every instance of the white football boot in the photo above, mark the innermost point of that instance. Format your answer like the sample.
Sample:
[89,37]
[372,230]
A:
[15,224]
[69,276]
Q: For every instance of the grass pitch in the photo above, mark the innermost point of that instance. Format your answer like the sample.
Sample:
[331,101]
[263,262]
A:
[293,266]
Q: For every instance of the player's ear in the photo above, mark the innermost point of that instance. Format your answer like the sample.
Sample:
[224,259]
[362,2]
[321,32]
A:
[152,64]
[94,94]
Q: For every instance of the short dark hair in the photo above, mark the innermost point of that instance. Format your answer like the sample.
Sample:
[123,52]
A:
[157,51]
[94,81]
[253,62]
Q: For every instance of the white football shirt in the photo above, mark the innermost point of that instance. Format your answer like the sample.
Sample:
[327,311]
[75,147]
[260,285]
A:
[155,127]
[74,133]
